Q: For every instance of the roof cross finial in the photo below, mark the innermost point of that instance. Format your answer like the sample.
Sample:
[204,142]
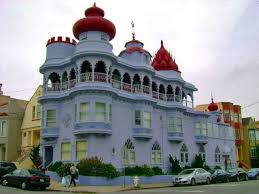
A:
[133,30]
[211,97]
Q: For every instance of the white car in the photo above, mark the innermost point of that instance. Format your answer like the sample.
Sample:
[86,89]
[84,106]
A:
[192,176]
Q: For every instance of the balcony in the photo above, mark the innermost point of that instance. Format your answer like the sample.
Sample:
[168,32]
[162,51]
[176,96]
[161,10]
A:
[49,133]
[201,139]
[175,136]
[145,133]
[98,128]
[239,142]
[237,125]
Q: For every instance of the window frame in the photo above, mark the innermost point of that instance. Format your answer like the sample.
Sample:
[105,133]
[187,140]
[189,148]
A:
[147,121]
[137,118]
[51,124]
[3,131]
[103,112]
[85,150]
[66,152]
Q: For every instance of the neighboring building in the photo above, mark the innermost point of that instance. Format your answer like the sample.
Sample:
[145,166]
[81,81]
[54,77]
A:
[231,115]
[11,115]
[257,132]
[126,109]
[30,128]
[249,150]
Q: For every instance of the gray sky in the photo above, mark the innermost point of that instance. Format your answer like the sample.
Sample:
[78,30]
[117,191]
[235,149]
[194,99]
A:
[215,42]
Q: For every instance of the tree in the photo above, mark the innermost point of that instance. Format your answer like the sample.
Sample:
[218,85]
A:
[198,162]
[175,165]
[257,152]
[35,156]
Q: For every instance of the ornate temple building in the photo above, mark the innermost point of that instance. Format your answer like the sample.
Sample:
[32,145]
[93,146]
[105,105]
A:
[129,109]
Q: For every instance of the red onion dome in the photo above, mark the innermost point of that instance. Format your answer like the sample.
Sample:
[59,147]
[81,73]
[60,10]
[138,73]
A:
[163,60]
[213,106]
[94,21]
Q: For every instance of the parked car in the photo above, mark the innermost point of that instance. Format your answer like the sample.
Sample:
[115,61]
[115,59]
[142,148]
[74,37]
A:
[219,176]
[26,179]
[237,174]
[192,177]
[6,167]
[253,174]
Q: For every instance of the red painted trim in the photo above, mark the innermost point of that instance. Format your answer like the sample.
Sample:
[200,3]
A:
[60,39]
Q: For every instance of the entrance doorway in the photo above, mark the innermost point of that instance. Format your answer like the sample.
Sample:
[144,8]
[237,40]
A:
[2,153]
[48,155]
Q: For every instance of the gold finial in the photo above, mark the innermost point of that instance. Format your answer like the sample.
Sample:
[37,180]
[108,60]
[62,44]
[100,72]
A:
[133,30]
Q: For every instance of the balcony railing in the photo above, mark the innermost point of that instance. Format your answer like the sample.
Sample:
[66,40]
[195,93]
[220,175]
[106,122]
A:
[72,83]
[99,77]
[53,87]
[201,139]
[170,97]
[154,94]
[146,89]
[116,84]
[65,85]
[136,88]
[126,87]
[86,77]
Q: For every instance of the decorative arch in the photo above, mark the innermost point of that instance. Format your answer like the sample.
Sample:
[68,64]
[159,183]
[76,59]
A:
[116,79]
[64,81]
[177,94]
[53,82]
[85,72]
[217,155]
[100,72]
[184,155]
[128,153]
[136,84]
[146,84]
[126,82]
[156,156]
[161,92]
[170,93]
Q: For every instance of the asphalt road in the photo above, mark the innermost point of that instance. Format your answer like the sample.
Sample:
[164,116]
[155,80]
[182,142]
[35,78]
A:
[244,187]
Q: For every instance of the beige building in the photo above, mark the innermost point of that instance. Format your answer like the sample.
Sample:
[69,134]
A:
[11,116]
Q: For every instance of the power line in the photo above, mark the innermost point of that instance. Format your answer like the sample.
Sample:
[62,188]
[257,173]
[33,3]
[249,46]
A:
[20,90]
[250,105]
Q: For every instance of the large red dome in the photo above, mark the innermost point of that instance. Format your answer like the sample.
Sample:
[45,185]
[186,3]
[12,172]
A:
[163,60]
[94,21]
[213,106]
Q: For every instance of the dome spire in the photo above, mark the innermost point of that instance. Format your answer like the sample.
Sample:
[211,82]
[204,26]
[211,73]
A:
[212,106]
[133,30]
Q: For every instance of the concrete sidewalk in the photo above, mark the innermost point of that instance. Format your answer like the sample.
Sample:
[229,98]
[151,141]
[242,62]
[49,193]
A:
[56,186]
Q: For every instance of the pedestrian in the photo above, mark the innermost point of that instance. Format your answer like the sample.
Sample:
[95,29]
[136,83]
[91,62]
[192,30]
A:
[73,173]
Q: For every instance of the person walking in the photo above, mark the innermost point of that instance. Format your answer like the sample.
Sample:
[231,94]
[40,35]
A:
[73,173]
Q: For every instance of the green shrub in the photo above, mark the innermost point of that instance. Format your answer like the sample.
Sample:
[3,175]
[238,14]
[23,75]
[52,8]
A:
[95,167]
[198,162]
[186,167]
[206,167]
[63,169]
[55,166]
[175,165]
[144,170]
[157,170]
[217,167]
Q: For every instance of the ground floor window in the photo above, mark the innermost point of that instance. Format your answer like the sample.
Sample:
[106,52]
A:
[128,153]
[217,155]
[65,151]
[202,152]
[184,156]
[253,152]
[156,154]
[81,150]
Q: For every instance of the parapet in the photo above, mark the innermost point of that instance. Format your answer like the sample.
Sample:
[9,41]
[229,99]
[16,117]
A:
[61,39]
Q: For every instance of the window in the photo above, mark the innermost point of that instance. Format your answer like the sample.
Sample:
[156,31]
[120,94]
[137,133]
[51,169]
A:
[171,123]
[156,154]
[100,112]
[251,137]
[81,150]
[137,118]
[198,128]
[235,117]
[38,111]
[253,152]
[65,151]
[128,153]
[51,118]
[202,152]
[226,115]
[147,119]
[84,112]
[33,112]
[179,125]
[3,128]
[184,154]
[217,155]
[204,129]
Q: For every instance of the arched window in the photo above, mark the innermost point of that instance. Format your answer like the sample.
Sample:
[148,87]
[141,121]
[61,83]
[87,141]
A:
[128,153]
[86,72]
[177,94]
[161,92]
[202,152]
[184,99]
[217,155]
[116,79]
[53,82]
[156,157]
[146,85]
[100,72]
[64,81]
[72,78]
[154,90]
[136,84]
[170,93]
[126,85]
[189,100]
[184,154]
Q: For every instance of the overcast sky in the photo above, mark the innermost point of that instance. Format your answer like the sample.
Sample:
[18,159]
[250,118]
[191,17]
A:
[215,42]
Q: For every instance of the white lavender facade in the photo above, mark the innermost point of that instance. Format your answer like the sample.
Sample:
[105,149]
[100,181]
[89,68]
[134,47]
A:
[126,109]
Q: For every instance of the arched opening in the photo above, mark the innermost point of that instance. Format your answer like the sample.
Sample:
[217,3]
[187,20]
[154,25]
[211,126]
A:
[154,90]
[177,94]
[126,82]
[86,72]
[72,78]
[189,100]
[184,156]
[170,93]
[146,85]
[156,156]
[64,81]
[217,155]
[128,153]
[202,152]
[116,79]
[100,72]
[136,84]
[162,92]
[54,82]
[184,99]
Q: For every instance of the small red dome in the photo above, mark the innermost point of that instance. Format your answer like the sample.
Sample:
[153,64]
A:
[213,106]
[163,60]
[94,21]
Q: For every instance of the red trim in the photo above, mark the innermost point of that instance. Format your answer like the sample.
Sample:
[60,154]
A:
[3,114]
[60,39]
[239,142]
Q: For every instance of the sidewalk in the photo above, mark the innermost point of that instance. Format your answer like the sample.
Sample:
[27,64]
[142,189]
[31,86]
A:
[56,186]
